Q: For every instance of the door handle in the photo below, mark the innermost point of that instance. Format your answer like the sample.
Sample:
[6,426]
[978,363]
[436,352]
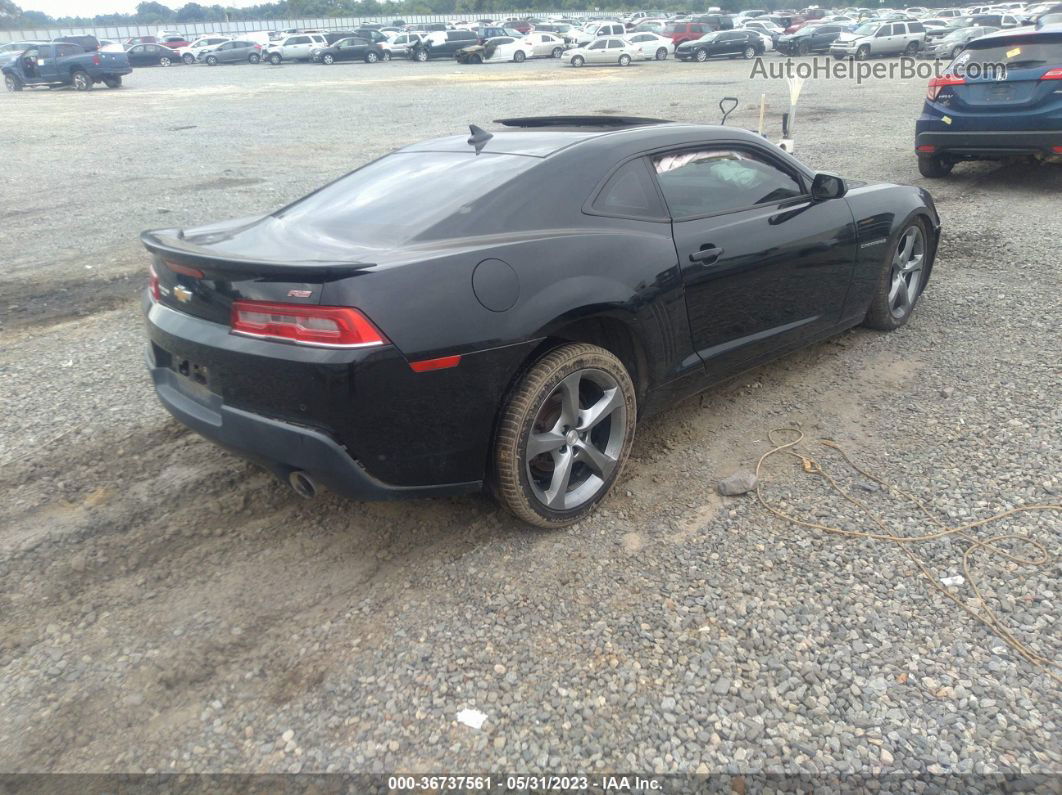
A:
[707,254]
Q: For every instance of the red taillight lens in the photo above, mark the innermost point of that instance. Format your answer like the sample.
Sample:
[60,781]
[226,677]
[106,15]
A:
[938,83]
[442,363]
[1057,150]
[1052,74]
[96,59]
[153,283]
[928,148]
[328,326]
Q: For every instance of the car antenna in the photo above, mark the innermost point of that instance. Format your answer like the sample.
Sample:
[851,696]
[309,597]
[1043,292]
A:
[478,138]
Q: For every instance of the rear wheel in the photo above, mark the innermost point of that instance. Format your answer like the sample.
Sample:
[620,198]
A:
[274,58]
[421,55]
[254,58]
[701,56]
[113,82]
[211,60]
[165,61]
[564,435]
[661,54]
[372,57]
[625,60]
[911,49]
[519,56]
[81,81]
[901,280]
[934,166]
[578,60]
[12,83]
[749,53]
[557,52]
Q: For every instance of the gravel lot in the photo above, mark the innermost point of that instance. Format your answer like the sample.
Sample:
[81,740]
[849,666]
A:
[166,607]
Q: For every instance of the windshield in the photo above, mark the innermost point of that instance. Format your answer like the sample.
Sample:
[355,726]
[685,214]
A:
[1016,53]
[867,30]
[403,195]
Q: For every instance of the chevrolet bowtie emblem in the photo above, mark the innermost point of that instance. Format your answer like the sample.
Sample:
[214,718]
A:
[182,294]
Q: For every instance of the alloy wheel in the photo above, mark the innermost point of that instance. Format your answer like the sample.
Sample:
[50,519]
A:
[577,439]
[906,277]
[164,61]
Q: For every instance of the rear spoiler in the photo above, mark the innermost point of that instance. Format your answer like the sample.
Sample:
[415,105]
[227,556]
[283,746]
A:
[166,244]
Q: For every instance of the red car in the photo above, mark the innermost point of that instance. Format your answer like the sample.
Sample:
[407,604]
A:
[139,40]
[685,31]
[521,25]
[175,42]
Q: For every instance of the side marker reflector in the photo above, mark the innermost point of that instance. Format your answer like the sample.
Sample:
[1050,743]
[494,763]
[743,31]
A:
[442,363]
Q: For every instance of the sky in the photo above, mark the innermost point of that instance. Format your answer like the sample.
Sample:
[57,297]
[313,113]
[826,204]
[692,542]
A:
[89,8]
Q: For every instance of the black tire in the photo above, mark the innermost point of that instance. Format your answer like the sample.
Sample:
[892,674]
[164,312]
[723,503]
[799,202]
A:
[862,53]
[475,59]
[749,53]
[188,58]
[700,55]
[803,48]
[275,59]
[81,81]
[12,83]
[164,61]
[421,56]
[625,60]
[254,58]
[519,57]
[513,481]
[371,57]
[578,61]
[113,82]
[881,314]
[934,166]
[212,60]
[911,49]
[557,52]
[661,54]
[328,59]
[956,51]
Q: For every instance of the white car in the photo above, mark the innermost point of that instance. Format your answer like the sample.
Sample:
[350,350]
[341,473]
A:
[606,50]
[652,46]
[299,47]
[595,30]
[500,49]
[545,45]
[191,53]
[399,44]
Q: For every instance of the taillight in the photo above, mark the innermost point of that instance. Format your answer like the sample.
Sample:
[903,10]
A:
[1052,74]
[153,283]
[96,59]
[937,83]
[327,326]
[176,267]
[926,148]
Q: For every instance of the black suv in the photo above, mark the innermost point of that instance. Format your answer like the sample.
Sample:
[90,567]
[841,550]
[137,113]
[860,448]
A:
[442,44]
[808,40]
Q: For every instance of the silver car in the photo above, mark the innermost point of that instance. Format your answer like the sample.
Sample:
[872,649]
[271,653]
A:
[880,38]
[955,42]
[605,50]
[237,51]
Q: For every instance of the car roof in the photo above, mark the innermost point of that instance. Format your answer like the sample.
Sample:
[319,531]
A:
[545,136]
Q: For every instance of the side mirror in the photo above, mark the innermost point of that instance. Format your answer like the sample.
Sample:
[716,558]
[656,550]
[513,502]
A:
[827,186]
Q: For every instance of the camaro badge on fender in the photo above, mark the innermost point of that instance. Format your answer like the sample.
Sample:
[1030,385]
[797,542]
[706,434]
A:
[182,294]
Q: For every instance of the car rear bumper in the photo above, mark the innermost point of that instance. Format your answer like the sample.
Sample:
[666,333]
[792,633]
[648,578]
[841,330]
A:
[1002,143]
[281,447]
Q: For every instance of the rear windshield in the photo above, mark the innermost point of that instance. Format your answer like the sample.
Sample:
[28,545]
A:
[403,195]
[1017,52]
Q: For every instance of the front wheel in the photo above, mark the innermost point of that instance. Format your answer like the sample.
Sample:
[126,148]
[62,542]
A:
[578,60]
[211,60]
[557,52]
[113,82]
[372,58]
[81,81]
[862,53]
[564,436]
[661,54]
[934,166]
[164,61]
[188,58]
[12,83]
[328,59]
[519,56]
[387,55]
[956,51]
[421,56]
[254,58]
[912,48]
[902,279]
[625,60]
[701,56]
[749,53]
[274,59]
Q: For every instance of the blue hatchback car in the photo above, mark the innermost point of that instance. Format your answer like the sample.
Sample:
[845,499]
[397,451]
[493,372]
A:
[1000,98]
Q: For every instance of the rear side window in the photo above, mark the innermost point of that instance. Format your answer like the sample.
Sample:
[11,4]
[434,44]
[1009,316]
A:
[917,27]
[705,182]
[630,193]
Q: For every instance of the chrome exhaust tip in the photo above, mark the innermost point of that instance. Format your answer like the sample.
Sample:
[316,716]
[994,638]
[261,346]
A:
[302,484]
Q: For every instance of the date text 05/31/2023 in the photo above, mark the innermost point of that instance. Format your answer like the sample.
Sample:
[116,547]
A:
[522,783]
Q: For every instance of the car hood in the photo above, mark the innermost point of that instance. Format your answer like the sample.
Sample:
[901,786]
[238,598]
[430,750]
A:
[844,38]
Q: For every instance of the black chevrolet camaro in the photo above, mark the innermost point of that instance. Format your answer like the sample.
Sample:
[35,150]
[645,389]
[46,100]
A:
[501,310]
